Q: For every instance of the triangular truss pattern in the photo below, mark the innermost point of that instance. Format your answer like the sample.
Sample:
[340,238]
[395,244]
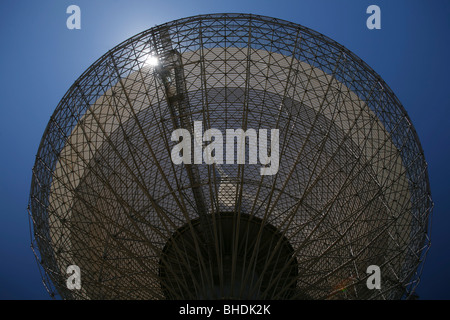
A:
[351,190]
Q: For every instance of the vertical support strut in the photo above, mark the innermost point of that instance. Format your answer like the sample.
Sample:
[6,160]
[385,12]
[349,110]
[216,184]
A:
[171,72]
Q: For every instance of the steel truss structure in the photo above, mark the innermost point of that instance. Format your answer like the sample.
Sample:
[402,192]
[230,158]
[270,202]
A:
[351,190]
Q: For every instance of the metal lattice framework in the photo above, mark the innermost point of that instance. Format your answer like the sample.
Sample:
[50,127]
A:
[351,191]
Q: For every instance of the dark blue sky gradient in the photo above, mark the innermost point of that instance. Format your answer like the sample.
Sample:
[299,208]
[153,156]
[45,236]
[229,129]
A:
[41,58]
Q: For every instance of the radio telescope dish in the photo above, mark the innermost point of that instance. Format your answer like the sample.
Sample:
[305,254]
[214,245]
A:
[351,188]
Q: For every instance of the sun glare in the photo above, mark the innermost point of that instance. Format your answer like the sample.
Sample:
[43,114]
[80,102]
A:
[152,61]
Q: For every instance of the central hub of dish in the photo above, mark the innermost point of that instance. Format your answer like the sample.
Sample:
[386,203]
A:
[249,259]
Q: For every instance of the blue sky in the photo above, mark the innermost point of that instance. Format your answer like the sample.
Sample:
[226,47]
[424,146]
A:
[41,58]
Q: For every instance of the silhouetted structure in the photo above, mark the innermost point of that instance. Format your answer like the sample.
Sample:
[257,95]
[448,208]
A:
[351,191]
